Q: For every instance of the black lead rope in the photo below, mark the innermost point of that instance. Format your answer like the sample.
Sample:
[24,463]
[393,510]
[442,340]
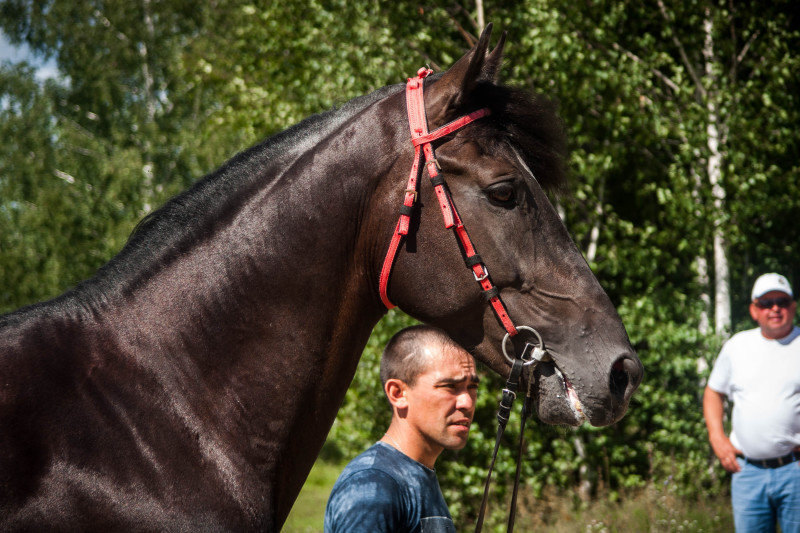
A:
[503,413]
[526,412]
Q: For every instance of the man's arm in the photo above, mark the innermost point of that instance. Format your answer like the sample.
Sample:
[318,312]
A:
[713,410]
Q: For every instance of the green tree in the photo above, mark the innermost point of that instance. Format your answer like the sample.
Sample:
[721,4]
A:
[62,206]
[25,164]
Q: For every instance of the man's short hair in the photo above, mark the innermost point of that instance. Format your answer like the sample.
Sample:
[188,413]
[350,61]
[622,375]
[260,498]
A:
[404,355]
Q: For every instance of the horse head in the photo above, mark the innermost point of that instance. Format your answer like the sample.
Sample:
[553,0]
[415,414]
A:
[498,170]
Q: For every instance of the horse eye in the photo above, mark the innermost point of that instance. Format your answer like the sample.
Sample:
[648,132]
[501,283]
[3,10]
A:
[502,194]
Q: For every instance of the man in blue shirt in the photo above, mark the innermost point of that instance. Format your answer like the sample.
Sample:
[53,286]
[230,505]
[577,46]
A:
[431,384]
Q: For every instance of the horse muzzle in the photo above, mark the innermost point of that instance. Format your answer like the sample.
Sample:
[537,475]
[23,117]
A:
[565,396]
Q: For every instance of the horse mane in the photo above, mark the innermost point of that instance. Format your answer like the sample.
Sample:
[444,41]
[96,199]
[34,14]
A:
[185,218]
[527,122]
[190,217]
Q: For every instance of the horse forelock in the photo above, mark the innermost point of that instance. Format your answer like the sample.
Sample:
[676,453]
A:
[528,122]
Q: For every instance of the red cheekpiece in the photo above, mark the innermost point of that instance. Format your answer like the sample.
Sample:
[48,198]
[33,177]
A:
[421,140]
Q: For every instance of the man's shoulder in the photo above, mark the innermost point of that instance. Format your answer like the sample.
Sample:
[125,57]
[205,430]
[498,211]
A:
[364,500]
[743,341]
[368,496]
[364,471]
[378,465]
[362,485]
[748,335]
[753,336]
[792,337]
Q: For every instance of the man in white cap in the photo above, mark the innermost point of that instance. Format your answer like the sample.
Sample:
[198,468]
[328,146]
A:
[759,370]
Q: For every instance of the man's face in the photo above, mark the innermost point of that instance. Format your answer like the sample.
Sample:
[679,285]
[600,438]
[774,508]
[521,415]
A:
[775,321]
[441,402]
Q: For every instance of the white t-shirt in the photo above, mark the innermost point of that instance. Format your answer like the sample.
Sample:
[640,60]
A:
[762,377]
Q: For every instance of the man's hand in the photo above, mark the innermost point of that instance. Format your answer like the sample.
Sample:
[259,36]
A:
[725,452]
[713,408]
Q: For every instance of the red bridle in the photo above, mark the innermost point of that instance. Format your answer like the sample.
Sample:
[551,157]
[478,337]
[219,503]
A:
[422,139]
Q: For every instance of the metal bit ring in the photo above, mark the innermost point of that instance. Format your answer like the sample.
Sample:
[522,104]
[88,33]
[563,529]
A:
[539,353]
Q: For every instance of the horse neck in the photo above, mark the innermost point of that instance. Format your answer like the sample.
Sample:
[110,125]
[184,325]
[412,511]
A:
[284,315]
[294,263]
[274,306]
[249,332]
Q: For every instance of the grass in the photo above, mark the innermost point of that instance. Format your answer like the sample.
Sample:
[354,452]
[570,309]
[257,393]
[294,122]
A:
[650,510]
[309,509]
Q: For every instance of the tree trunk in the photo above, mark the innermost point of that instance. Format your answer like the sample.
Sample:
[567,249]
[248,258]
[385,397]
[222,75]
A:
[149,94]
[594,234]
[722,301]
[701,263]
[584,484]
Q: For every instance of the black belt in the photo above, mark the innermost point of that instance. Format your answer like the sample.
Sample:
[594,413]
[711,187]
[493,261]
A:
[775,462]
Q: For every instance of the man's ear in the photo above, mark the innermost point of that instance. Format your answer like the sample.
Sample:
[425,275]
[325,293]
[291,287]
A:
[447,95]
[753,311]
[396,393]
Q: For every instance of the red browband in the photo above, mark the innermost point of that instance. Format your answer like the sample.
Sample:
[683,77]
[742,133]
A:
[421,140]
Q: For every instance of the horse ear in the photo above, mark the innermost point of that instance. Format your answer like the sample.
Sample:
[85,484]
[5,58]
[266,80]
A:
[493,60]
[445,97]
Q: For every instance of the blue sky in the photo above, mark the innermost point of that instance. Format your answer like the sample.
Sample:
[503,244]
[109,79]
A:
[9,52]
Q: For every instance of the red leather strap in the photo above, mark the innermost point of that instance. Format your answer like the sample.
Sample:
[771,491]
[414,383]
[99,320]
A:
[419,126]
[421,140]
[388,261]
[482,276]
[450,127]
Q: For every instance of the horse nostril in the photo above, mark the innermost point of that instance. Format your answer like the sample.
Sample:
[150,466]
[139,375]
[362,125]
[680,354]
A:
[618,380]
[625,377]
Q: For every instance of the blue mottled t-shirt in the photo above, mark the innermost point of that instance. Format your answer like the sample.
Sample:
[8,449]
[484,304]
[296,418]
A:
[385,490]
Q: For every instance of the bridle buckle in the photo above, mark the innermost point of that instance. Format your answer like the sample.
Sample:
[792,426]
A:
[485,274]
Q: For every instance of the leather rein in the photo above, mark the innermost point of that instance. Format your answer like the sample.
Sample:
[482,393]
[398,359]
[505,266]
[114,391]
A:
[532,354]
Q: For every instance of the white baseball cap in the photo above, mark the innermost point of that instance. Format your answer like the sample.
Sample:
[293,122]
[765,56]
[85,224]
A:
[771,282]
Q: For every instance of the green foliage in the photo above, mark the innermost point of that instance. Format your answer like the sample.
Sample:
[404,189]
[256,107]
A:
[52,179]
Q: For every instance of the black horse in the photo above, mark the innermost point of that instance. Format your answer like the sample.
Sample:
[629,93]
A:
[190,384]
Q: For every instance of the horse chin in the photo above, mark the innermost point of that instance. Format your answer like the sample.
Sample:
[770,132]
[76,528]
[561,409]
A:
[557,403]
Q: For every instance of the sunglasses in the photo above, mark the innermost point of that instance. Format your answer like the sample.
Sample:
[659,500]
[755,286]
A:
[768,303]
